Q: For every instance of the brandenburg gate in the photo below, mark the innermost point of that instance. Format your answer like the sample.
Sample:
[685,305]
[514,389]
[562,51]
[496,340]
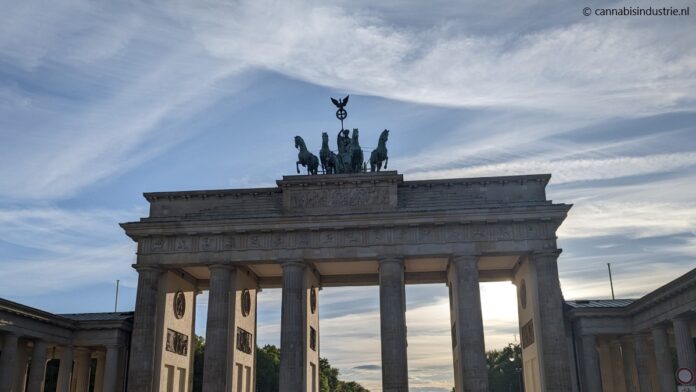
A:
[330,230]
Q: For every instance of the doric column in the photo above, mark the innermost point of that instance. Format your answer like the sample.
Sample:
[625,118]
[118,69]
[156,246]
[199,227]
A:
[392,310]
[292,339]
[216,371]
[113,355]
[629,363]
[99,372]
[685,343]
[22,366]
[592,378]
[37,372]
[8,362]
[555,358]
[663,356]
[141,366]
[640,345]
[65,369]
[470,355]
[82,367]
[617,366]
[605,366]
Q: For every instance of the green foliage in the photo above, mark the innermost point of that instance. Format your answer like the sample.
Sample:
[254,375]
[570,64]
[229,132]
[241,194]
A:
[267,368]
[504,367]
[198,353]
[268,371]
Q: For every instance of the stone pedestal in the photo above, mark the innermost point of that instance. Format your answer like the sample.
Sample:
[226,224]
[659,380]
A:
[392,308]
[467,324]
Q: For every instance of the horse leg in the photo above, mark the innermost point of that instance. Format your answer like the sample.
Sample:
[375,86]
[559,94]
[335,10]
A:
[386,160]
[297,166]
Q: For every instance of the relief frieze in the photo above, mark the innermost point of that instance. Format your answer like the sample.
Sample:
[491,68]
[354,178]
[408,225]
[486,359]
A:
[341,199]
[349,237]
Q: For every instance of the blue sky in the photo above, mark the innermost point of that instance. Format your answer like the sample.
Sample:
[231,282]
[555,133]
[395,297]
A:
[100,102]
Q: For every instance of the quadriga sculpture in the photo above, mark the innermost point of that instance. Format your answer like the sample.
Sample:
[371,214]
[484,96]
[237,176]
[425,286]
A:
[328,158]
[305,158]
[379,154]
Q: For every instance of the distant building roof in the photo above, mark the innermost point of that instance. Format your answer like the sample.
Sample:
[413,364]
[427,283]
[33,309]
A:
[600,303]
[106,316]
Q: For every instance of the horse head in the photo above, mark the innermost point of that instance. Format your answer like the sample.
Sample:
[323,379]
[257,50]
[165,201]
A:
[355,134]
[299,142]
[384,136]
[324,137]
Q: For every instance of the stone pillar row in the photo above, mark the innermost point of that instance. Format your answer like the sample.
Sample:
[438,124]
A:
[639,367]
[73,372]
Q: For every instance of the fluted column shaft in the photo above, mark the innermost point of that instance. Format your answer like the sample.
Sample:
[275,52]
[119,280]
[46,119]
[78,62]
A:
[292,331]
[216,367]
[605,366]
[468,324]
[640,345]
[554,344]
[82,369]
[685,343]
[99,372]
[392,310]
[629,363]
[8,362]
[592,378]
[113,355]
[617,366]
[663,356]
[142,355]
[65,370]
[37,372]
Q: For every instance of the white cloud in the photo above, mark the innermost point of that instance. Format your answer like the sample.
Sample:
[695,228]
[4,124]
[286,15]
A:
[62,250]
[572,170]
[605,69]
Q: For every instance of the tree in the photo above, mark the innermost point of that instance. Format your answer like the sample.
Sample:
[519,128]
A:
[198,354]
[267,368]
[504,367]
[268,371]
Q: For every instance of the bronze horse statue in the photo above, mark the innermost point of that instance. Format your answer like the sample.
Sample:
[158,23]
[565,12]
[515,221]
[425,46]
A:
[356,159]
[329,161]
[305,158]
[379,154]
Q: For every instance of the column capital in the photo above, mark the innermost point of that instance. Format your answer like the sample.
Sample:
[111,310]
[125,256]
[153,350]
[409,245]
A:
[465,257]
[390,259]
[10,334]
[222,266]
[682,318]
[626,338]
[286,263]
[555,252]
[146,268]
